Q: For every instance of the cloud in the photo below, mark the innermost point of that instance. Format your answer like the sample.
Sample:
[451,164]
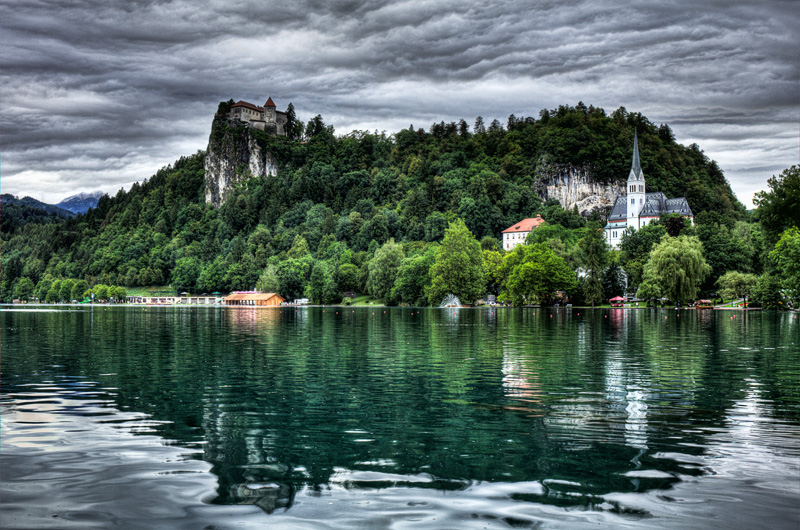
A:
[99,94]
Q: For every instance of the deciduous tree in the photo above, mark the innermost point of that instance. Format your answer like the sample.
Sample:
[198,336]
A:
[458,268]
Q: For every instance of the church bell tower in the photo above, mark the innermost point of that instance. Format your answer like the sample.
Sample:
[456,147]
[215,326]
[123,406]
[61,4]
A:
[636,189]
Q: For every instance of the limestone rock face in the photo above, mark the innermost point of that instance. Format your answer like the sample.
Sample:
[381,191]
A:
[233,155]
[571,186]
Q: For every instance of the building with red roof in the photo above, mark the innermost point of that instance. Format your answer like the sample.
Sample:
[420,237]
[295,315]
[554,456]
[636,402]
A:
[515,235]
[266,118]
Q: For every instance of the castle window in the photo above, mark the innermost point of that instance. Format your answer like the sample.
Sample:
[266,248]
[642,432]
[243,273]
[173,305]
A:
[633,201]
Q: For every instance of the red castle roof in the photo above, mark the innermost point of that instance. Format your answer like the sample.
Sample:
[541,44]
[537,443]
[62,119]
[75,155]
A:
[248,105]
[269,102]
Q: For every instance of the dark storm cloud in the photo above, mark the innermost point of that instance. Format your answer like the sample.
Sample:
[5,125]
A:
[100,94]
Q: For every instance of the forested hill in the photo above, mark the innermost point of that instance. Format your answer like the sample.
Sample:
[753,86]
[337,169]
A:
[337,199]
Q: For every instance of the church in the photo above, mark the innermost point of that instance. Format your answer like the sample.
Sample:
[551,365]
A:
[639,208]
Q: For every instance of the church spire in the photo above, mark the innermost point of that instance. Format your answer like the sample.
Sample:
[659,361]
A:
[636,167]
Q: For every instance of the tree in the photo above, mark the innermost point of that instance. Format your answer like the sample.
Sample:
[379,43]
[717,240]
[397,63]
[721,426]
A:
[735,284]
[268,281]
[493,270]
[321,288]
[291,126]
[650,286]
[24,289]
[65,292]
[678,265]
[768,292]
[42,288]
[594,250]
[458,268]
[383,269]
[100,292]
[185,274]
[293,274]
[779,208]
[53,293]
[534,274]
[414,277]
[212,276]
[480,128]
[79,290]
[674,224]
[613,281]
[348,277]
[786,256]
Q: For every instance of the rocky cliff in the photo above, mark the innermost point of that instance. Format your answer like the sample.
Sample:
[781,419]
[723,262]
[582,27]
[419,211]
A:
[233,155]
[576,187]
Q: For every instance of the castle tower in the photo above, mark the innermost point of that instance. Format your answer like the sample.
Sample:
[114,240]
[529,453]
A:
[269,111]
[636,189]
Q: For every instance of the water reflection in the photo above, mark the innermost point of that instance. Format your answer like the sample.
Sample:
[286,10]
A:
[544,409]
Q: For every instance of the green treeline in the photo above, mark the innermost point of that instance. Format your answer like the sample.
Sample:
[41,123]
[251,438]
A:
[368,212]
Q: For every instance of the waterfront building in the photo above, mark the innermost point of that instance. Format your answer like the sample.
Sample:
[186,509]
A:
[515,235]
[639,208]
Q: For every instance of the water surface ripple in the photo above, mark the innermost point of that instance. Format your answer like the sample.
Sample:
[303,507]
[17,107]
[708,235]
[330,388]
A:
[399,418]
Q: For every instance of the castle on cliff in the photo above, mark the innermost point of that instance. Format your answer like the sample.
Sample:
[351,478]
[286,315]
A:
[639,208]
[266,118]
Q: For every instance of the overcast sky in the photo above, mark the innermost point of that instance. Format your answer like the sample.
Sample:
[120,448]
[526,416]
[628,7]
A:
[97,94]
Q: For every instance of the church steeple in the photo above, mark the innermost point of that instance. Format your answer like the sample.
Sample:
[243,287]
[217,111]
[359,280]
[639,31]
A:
[636,166]
[636,187]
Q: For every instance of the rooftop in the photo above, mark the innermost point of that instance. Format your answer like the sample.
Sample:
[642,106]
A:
[526,225]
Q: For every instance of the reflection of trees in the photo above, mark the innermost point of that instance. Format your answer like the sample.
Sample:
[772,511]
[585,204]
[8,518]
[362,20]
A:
[283,398]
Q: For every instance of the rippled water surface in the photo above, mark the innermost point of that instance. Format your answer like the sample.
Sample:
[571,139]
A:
[215,418]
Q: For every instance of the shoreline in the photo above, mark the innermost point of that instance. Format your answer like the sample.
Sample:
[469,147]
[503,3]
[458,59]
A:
[582,308]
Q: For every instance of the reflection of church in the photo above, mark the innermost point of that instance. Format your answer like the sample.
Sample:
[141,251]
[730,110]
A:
[639,208]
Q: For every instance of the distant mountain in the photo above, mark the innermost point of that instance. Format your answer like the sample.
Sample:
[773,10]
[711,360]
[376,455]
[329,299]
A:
[81,202]
[7,199]
[16,213]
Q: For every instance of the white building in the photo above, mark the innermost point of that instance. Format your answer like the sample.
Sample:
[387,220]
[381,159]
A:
[639,208]
[515,235]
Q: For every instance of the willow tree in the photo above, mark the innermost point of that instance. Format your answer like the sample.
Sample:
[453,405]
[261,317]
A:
[678,266]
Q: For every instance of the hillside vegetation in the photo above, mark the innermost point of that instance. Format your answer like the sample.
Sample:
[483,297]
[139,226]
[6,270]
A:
[316,228]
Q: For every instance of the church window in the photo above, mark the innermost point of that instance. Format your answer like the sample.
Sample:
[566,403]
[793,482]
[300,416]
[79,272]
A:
[633,201]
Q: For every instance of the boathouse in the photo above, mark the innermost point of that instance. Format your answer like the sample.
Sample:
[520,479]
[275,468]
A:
[250,298]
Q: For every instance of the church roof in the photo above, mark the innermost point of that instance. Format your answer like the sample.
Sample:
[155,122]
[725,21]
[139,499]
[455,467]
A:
[269,102]
[636,165]
[620,210]
[679,206]
[656,204]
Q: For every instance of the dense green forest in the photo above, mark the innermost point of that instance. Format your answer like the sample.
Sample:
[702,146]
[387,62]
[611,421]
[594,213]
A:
[368,212]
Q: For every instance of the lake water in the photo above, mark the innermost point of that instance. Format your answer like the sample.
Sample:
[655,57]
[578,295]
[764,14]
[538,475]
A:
[220,418]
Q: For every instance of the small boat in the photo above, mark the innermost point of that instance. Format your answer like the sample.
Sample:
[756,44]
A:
[704,304]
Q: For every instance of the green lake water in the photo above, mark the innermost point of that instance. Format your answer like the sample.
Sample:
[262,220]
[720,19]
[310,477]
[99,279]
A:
[216,418]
